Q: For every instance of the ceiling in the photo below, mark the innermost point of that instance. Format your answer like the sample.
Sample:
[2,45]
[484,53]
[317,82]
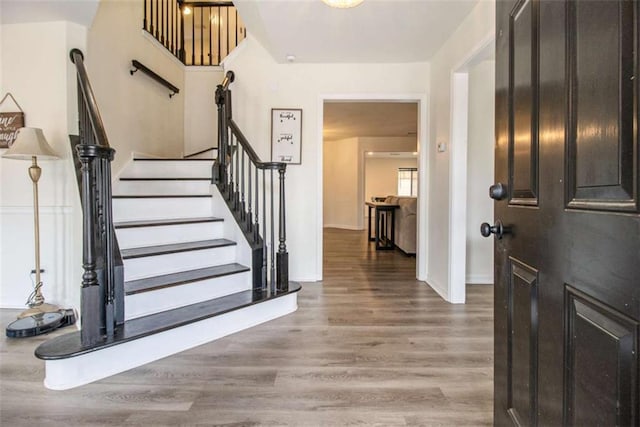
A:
[21,11]
[344,120]
[376,31]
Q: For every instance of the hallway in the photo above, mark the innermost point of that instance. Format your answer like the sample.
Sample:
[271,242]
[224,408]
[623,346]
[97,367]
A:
[369,345]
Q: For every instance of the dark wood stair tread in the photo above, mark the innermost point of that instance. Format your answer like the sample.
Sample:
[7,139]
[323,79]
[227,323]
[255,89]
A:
[160,196]
[173,159]
[70,345]
[181,278]
[201,152]
[174,248]
[161,222]
[164,178]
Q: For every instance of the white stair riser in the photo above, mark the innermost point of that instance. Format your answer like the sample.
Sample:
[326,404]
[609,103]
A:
[169,169]
[161,208]
[63,374]
[161,187]
[146,303]
[137,268]
[137,237]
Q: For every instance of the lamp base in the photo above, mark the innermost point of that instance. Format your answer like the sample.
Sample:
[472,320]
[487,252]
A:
[40,323]
[39,309]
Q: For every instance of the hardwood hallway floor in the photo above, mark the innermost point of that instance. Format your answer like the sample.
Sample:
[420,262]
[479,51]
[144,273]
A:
[369,345]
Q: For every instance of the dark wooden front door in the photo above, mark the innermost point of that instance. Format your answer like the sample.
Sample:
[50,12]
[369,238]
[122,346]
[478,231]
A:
[567,294]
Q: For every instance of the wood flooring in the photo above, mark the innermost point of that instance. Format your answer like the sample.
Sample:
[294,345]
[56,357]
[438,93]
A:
[369,346]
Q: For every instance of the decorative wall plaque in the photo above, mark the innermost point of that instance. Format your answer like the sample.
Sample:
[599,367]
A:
[286,135]
[10,122]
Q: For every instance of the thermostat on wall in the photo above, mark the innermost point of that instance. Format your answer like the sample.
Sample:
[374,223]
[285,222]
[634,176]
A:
[442,147]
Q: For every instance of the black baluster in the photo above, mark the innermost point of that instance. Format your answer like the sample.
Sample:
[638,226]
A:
[144,19]
[243,215]
[272,240]
[236,31]
[256,226]
[201,35]
[237,187]
[219,34]
[227,26]
[283,256]
[210,33]
[156,20]
[265,254]
[109,241]
[193,36]
[183,53]
[249,218]
[151,16]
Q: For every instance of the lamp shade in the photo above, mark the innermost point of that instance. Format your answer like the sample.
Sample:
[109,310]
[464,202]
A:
[30,142]
[343,4]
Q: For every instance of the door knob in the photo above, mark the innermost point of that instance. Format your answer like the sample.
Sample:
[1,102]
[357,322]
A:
[498,229]
[498,191]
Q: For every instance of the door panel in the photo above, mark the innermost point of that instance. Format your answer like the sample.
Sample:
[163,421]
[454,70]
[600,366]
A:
[523,144]
[523,343]
[600,56]
[567,292]
[602,385]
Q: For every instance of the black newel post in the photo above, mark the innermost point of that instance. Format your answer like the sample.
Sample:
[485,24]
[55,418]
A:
[282,263]
[220,164]
[90,298]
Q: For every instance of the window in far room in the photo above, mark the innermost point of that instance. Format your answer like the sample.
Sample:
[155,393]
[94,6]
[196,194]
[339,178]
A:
[408,182]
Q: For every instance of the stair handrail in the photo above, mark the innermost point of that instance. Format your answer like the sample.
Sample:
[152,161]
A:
[102,294]
[241,189]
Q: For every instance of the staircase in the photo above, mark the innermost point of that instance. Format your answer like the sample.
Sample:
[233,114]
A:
[168,262]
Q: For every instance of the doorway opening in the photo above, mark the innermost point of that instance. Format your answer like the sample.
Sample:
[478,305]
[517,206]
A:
[371,150]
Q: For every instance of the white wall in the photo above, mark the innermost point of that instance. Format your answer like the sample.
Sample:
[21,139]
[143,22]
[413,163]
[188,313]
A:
[381,175]
[200,111]
[480,171]
[341,184]
[472,33]
[37,71]
[137,112]
[262,84]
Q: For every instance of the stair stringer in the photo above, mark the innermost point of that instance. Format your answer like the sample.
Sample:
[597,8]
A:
[232,230]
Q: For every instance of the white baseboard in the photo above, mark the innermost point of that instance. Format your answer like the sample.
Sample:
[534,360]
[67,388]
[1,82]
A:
[479,279]
[344,227]
[438,287]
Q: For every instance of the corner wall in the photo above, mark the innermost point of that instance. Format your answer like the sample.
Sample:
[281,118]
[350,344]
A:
[477,27]
[481,137]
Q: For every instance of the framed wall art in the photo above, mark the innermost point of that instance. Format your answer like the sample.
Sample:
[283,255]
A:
[286,135]
[10,122]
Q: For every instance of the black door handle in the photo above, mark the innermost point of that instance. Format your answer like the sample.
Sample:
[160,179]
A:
[498,229]
[498,191]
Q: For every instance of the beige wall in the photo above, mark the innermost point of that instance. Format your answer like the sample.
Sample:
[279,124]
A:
[480,162]
[137,112]
[477,27]
[341,183]
[200,111]
[37,71]
[262,84]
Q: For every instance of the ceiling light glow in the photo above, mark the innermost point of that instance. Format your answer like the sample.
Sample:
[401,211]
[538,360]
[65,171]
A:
[342,4]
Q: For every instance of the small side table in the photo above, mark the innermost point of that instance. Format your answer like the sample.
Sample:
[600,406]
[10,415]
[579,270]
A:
[385,219]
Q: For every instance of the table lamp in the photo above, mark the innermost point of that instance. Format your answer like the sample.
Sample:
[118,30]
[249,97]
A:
[30,144]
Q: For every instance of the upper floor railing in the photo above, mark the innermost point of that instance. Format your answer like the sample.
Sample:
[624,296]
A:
[255,195]
[197,33]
